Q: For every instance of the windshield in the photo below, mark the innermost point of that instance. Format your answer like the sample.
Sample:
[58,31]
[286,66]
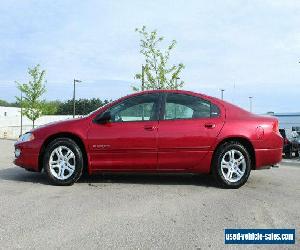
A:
[97,109]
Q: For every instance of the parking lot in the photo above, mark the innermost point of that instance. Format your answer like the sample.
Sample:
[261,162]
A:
[139,210]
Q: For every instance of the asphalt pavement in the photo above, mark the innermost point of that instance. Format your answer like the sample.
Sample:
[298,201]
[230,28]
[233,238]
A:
[141,211]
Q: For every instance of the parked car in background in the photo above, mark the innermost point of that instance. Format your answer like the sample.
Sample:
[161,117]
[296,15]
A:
[155,131]
[291,143]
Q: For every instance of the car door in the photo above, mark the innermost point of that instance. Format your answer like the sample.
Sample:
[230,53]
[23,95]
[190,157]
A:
[188,128]
[129,140]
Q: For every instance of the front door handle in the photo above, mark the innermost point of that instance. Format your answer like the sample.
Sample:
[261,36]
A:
[210,125]
[149,127]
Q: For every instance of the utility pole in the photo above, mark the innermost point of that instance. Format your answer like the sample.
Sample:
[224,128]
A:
[250,102]
[21,103]
[75,81]
[222,93]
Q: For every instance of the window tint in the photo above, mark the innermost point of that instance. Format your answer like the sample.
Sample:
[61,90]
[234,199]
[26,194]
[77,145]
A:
[214,110]
[179,106]
[140,108]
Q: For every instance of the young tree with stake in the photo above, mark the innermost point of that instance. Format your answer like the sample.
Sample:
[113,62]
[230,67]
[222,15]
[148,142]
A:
[32,91]
[156,72]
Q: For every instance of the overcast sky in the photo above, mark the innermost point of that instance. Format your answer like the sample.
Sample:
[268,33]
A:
[252,45]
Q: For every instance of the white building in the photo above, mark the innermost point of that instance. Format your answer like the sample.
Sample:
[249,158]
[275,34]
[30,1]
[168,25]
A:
[9,112]
[288,121]
[10,122]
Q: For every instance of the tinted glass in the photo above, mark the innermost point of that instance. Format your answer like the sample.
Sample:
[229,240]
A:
[140,108]
[282,132]
[180,106]
[214,110]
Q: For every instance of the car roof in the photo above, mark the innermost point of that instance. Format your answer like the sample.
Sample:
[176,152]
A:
[178,91]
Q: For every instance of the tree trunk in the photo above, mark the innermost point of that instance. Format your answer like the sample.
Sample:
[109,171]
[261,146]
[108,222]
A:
[32,123]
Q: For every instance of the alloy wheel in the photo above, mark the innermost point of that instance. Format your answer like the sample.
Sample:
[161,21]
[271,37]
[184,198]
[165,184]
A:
[233,165]
[62,162]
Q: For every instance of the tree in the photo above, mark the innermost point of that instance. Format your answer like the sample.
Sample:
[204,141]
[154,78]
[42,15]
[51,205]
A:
[8,104]
[156,73]
[51,107]
[4,103]
[32,92]
[83,106]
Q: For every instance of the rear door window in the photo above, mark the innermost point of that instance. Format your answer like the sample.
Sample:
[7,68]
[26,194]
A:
[181,106]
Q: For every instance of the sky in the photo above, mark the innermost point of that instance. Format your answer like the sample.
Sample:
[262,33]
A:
[248,48]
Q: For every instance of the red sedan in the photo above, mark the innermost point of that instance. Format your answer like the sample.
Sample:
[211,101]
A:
[155,131]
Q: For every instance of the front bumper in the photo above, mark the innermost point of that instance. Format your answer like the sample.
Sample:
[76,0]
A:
[267,157]
[29,156]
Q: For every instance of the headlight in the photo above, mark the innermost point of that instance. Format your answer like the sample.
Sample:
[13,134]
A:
[17,152]
[26,137]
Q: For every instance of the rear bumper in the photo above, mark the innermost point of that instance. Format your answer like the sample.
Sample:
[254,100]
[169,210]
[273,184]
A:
[267,157]
[29,157]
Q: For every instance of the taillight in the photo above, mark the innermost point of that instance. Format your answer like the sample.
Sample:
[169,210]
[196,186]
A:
[275,127]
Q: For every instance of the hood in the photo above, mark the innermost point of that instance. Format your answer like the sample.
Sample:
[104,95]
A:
[66,122]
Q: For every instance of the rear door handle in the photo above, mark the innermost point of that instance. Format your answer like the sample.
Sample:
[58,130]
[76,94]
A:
[149,127]
[210,125]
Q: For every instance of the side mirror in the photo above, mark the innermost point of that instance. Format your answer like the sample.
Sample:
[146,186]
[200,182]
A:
[104,118]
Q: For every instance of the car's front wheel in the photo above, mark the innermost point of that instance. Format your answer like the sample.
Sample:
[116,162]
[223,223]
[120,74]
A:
[231,165]
[63,161]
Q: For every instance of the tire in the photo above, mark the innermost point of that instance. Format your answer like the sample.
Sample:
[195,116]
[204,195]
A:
[289,153]
[63,162]
[227,171]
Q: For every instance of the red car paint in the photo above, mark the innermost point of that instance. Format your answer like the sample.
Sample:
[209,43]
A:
[185,145]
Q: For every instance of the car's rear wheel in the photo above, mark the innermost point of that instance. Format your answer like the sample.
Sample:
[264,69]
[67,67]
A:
[63,161]
[231,165]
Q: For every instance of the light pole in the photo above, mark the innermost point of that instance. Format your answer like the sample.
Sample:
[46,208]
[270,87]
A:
[74,96]
[176,85]
[143,79]
[222,93]
[250,102]
[21,129]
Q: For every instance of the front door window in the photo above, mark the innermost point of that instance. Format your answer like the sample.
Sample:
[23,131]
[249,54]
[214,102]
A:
[140,108]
